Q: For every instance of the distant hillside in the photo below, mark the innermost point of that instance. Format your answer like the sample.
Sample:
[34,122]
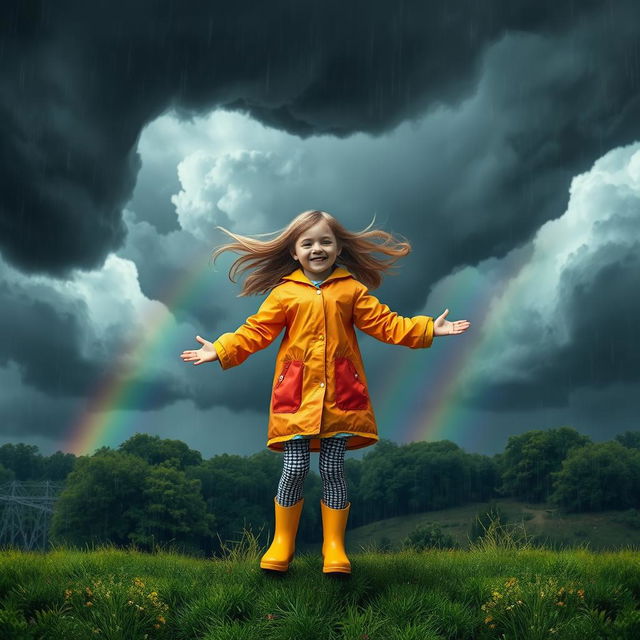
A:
[606,530]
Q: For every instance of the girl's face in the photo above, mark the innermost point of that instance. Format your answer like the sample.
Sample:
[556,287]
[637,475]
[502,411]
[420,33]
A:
[316,249]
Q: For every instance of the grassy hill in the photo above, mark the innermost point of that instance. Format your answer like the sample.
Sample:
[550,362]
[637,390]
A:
[486,593]
[605,530]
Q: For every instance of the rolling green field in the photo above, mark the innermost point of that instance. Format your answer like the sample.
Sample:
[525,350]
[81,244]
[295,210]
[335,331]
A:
[606,530]
[494,590]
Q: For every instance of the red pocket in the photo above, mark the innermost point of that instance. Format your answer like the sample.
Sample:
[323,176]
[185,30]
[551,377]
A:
[287,394]
[350,392]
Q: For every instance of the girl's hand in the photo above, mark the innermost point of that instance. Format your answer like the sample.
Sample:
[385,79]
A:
[206,353]
[442,327]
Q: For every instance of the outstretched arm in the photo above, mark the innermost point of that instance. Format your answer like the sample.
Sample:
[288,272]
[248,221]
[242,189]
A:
[231,349]
[258,332]
[375,318]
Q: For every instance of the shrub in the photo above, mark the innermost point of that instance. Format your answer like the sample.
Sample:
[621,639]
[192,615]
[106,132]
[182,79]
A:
[428,536]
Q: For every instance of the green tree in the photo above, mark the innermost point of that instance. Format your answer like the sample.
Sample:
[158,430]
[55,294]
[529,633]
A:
[530,459]
[629,439]
[154,450]
[598,476]
[23,459]
[240,492]
[173,511]
[102,501]
[58,466]
[421,476]
[6,475]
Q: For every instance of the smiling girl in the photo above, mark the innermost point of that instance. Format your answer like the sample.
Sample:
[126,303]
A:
[317,275]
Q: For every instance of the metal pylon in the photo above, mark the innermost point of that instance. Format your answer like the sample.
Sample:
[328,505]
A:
[26,509]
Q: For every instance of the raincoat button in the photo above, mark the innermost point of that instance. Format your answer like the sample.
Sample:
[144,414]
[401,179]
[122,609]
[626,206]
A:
[318,292]
[281,378]
[322,384]
[321,337]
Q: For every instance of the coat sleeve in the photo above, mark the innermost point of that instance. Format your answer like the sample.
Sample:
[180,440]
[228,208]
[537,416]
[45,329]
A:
[376,319]
[258,332]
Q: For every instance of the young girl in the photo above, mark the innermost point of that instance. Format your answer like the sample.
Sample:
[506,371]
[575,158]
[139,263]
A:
[320,400]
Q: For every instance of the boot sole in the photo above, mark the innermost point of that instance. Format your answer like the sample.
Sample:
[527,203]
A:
[336,569]
[271,566]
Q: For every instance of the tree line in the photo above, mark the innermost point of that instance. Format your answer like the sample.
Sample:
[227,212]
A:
[151,491]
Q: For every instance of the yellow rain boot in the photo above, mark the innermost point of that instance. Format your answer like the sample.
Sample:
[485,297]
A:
[280,553]
[334,523]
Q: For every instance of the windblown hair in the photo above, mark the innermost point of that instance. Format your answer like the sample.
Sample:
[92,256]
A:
[270,260]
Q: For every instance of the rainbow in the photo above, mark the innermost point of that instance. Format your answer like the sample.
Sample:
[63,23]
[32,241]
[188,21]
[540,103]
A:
[417,400]
[106,420]
[421,396]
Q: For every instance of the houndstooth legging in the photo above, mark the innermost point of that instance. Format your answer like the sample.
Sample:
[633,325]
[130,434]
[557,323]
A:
[296,467]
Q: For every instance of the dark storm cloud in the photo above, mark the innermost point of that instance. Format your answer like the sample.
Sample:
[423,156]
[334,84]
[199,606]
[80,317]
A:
[597,302]
[160,263]
[508,167]
[80,80]
[49,335]
[601,306]
[44,335]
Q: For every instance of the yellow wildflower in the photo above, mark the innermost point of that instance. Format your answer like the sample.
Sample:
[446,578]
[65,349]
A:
[488,619]
[580,593]
[88,604]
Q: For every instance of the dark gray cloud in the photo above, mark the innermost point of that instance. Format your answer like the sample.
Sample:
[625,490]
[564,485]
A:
[63,350]
[568,324]
[516,98]
[42,332]
[81,80]
[162,261]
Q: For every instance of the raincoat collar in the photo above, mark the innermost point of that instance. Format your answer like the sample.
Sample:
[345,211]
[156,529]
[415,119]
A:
[298,276]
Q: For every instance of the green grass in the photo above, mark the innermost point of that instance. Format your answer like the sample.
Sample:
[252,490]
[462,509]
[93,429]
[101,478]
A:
[502,588]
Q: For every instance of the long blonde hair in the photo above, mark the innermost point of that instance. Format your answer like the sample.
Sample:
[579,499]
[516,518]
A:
[270,260]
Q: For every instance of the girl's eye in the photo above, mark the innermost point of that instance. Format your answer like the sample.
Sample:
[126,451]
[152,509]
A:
[306,244]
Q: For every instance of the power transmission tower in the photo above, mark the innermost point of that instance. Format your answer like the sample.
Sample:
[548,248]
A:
[26,509]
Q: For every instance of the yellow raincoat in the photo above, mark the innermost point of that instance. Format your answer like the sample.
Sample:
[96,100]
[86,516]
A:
[319,386]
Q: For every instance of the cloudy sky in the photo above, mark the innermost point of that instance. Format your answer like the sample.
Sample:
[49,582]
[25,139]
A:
[501,139]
